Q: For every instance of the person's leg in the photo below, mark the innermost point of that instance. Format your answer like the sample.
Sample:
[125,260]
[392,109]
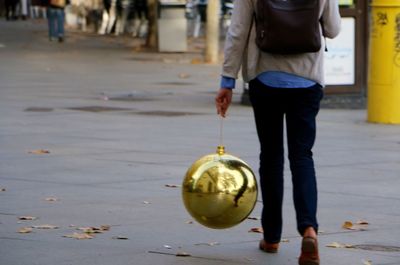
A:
[301,132]
[60,24]
[7,5]
[268,107]
[14,5]
[51,22]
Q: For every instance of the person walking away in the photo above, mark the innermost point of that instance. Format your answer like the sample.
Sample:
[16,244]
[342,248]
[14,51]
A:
[11,8]
[55,18]
[282,88]
[23,6]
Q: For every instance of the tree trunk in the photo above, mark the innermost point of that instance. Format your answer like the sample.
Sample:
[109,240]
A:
[212,31]
[151,41]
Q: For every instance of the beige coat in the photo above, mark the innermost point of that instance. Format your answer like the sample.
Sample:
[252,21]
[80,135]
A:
[241,50]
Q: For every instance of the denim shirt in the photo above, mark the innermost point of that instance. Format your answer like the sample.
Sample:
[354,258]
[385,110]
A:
[273,79]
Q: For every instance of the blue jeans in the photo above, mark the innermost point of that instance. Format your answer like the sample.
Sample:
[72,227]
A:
[55,17]
[299,107]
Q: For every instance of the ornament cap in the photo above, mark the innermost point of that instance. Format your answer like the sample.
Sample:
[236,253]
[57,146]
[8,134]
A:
[221,150]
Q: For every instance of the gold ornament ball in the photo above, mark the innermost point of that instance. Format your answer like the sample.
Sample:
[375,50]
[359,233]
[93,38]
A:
[219,190]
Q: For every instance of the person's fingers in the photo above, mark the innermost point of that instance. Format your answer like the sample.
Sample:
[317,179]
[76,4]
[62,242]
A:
[221,106]
[222,101]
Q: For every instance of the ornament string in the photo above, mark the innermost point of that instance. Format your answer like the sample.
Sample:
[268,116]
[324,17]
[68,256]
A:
[221,129]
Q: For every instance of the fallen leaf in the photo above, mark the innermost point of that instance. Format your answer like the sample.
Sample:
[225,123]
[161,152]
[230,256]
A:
[189,222]
[137,49]
[79,236]
[285,240]
[120,237]
[362,222]
[339,245]
[183,254]
[51,199]
[2,189]
[196,61]
[172,186]
[25,230]
[347,225]
[94,230]
[27,218]
[208,244]
[254,218]
[183,75]
[360,226]
[146,202]
[45,226]
[105,227]
[167,247]
[39,152]
[256,230]
[367,262]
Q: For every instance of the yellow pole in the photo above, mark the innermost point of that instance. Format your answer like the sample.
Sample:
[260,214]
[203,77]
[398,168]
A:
[212,33]
[384,62]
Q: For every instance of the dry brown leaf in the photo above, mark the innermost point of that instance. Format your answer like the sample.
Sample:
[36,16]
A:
[208,244]
[105,227]
[172,186]
[80,236]
[45,226]
[196,61]
[256,230]
[285,240]
[94,230]
[137,49]
[25,230]
[367,262]
[39,152]
[360,226]
[183,254]
[120,237]
[339,245]
[51,199]
[2,189]
[254,218]
[362,222]
[90,230]
[184,75]
[27,218]
[347,225]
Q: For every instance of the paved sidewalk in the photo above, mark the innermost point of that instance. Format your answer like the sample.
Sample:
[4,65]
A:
[122,126]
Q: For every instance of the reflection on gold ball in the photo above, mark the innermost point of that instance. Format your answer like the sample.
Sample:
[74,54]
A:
[219,190]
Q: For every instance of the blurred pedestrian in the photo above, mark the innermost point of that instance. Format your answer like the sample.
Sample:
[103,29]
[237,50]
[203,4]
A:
[23,9]
[37,9]
[55,18]
[11,9]
[282,87]
[95,12]
[202,9]
[140,16]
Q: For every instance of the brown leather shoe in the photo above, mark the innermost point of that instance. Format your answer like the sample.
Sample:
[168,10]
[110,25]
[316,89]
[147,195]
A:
[269,247]
[309,251]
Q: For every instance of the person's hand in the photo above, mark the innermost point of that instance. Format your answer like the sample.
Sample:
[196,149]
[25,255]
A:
[223,100]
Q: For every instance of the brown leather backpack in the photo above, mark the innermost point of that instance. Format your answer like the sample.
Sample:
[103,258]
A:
[288,26]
